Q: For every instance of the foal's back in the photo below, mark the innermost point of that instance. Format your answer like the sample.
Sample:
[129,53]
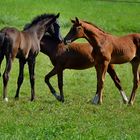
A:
[125,48]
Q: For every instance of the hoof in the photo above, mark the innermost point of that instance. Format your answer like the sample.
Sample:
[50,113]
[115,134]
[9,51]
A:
[59,98]
[62,100]
[5,99]
[125,101]
[96,99]
[130,103]
[16,98]
[32,99]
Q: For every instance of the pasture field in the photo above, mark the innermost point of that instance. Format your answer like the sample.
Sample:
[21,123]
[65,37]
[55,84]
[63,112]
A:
[76,118]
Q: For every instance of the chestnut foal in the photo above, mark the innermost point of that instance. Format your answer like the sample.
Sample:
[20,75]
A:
[108,49]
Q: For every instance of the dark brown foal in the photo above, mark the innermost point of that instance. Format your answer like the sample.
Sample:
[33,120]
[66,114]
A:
[25,45]
[73,56]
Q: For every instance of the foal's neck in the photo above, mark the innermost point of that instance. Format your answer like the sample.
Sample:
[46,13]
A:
[36,31]
[95,36]
[49,45]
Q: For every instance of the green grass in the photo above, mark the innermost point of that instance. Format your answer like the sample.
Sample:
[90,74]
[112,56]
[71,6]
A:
[77,118]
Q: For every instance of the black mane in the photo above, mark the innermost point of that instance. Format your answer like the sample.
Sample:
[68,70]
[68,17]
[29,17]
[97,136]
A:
[37,19]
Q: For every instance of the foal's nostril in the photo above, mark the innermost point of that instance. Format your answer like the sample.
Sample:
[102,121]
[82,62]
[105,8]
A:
[67,41]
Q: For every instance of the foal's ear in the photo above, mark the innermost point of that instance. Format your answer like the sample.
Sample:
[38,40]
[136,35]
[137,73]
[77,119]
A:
[57,15]
[77,20]
[73,21]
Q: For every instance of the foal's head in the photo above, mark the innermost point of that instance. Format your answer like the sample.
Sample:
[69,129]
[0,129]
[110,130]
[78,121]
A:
[43,25]
[76,31]
[54,31]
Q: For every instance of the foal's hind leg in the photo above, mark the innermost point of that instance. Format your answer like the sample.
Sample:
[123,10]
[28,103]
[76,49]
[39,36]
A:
[1,58]
[135,66]
[31,65]
[6,75]
[116,80]
[20,77]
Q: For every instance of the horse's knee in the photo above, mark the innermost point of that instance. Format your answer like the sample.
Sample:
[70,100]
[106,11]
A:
[136,85]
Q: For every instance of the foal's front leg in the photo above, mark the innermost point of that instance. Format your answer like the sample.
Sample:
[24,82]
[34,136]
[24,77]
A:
[20,77]
[47,81]
[60,83]
[101,70]
[31,65]
[6,75]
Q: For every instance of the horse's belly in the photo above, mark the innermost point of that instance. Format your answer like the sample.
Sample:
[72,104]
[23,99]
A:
[123,55]
[121,59]
[79,65]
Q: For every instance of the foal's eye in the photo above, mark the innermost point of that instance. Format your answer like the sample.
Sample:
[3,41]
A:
[78,28]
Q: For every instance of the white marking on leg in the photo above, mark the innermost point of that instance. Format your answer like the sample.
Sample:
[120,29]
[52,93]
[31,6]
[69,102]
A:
[6,99]
[124,96]
[95,99]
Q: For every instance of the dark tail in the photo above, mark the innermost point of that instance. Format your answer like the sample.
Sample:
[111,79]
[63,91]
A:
[2,40]
[2,36]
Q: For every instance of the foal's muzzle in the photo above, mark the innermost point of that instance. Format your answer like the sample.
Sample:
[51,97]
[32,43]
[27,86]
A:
[67,41]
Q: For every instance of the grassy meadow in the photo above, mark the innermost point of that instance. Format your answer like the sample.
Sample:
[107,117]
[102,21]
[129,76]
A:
[76,118]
